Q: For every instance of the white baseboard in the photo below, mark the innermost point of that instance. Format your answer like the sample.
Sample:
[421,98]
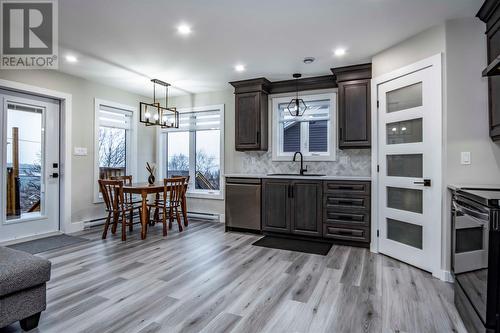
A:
[444,275]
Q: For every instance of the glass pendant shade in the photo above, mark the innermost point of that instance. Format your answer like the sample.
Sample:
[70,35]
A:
[296,107]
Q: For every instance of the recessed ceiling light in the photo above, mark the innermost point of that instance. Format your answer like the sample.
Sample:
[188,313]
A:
[71,58]
[339,52]
[239,68]
[184,29]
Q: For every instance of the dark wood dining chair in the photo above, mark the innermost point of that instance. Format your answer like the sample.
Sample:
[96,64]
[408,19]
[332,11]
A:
[129,197]
[170,203]
[184,201]
[116,206]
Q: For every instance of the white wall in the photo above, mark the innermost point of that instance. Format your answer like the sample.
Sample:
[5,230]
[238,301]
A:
[82,131]
[465,104]
[226,97]
[467,114]
[418,47]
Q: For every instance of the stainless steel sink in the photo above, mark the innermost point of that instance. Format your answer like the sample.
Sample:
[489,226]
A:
[296,174]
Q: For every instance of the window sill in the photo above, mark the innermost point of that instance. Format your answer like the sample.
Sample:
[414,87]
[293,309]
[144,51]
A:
[306,159]
[216,195]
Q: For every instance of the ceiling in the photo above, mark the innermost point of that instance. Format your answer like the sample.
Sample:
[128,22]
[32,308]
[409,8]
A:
[123,43]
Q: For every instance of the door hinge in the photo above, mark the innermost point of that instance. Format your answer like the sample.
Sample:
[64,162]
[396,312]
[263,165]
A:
[378,168]
[378,104]
[378,233]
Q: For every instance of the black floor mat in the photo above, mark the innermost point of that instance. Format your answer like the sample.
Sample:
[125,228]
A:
[294,245]
[47,243]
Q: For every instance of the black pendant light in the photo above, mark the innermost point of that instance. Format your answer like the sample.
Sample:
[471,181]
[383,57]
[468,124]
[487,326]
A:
[297,106]
[154,114]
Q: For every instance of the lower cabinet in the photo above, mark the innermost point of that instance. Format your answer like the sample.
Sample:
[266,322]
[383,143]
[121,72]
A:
[292,207]
[333,210]
[276,205]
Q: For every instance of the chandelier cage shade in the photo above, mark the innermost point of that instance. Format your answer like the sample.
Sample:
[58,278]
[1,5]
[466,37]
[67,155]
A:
[297,107]
[153,114]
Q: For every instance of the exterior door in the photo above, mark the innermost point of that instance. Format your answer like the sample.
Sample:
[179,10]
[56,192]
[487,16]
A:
[409,149]
[29,158]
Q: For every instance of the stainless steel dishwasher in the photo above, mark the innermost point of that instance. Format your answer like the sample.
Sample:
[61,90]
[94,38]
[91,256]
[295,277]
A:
[243,204]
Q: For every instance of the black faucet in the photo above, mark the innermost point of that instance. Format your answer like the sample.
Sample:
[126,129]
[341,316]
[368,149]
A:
[302,170]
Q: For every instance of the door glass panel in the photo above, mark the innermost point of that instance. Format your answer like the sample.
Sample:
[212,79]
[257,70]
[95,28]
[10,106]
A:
[404,199]
[406,233]
[24,161]
[408,165]
[407,131]
[404,98]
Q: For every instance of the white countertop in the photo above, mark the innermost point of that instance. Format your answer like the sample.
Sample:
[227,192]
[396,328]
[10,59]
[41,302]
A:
[243,175]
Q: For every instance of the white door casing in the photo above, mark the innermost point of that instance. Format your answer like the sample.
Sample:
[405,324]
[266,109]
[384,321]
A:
[47,220]
[410,230]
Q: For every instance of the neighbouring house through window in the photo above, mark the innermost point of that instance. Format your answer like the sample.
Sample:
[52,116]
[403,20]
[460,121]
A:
[313,133]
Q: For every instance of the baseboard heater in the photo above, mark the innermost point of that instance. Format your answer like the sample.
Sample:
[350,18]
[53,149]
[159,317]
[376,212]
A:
[196,215]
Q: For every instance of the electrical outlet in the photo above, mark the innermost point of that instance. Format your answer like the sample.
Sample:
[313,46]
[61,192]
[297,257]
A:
[80,151]
[465,158]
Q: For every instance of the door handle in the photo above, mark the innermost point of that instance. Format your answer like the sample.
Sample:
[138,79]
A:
[54,175]
[425,182]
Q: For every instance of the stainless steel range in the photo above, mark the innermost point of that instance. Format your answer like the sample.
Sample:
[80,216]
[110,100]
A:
[476,257]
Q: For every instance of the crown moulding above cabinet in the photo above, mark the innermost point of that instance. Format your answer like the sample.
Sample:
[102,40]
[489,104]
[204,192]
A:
[353,83]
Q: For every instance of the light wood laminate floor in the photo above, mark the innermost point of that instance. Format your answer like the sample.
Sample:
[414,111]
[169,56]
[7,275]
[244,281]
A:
[206,280]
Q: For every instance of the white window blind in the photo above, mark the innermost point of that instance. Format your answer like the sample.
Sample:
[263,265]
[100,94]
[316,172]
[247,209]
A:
[115,117]
[197,121]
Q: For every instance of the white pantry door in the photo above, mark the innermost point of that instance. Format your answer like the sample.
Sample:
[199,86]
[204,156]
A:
[31,206]
[409,149]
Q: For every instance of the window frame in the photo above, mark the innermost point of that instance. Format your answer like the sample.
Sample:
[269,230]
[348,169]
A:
[130,139]
[277,135]
[162,153]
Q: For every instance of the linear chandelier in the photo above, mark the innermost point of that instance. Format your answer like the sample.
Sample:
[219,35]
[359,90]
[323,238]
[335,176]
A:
[153,114]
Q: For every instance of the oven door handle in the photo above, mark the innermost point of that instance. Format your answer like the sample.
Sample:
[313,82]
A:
[481,218]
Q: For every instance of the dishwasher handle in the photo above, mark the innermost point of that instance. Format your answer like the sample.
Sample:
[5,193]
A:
[238,181]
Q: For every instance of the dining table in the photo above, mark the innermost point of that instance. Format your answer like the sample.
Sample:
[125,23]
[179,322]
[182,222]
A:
[146,189]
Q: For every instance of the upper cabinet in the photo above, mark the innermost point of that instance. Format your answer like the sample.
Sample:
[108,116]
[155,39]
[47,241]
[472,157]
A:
[251,103]
[354,129]
[490,14]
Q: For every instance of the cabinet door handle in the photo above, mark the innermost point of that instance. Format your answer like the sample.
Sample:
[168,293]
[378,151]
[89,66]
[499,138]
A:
[340,133]
[258,136]
[291,187]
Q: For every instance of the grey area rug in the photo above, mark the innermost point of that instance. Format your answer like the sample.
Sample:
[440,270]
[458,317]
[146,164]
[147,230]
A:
[47,244]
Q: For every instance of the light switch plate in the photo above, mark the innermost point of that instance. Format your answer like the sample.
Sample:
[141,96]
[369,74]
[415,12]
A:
[80,151]
[465,158]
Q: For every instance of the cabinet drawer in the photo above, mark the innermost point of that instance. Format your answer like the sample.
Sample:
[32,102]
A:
[334,202]
[346,233]
[351,218]
[347,188]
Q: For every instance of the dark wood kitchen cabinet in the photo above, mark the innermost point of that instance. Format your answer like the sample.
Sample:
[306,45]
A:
[276,205]
[490,14]
[346,212]
[306,202]
[292,206]
[354,106]
[251,114]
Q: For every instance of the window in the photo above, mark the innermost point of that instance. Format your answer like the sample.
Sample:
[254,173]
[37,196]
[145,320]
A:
[195,149]
[113,151]
[313,134]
